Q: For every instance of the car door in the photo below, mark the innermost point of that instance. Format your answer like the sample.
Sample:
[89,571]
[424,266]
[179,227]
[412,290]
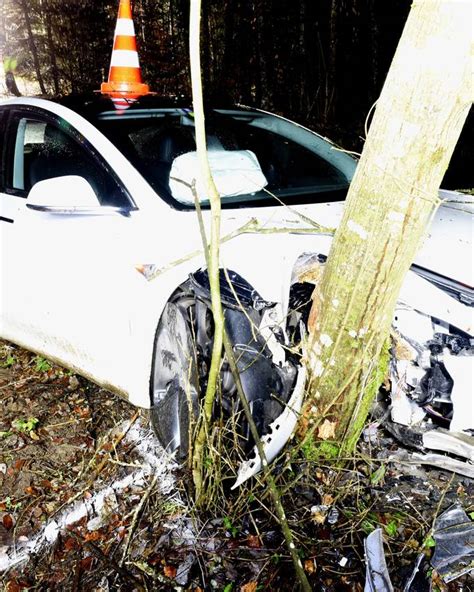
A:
[64,288]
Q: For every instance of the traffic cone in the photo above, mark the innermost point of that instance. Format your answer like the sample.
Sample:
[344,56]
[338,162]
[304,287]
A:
[125,77]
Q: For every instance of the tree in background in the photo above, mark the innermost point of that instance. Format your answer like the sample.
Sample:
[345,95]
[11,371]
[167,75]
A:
[417,122]
[59,44]
[317,62]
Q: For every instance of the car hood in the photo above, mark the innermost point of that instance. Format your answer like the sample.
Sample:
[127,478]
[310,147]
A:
[447,249]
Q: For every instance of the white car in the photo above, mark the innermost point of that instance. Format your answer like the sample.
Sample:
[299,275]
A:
[102,261]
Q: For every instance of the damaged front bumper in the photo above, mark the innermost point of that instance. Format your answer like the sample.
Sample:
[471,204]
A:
[431,403]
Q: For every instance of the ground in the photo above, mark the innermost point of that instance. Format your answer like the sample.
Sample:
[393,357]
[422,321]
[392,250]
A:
[89,501]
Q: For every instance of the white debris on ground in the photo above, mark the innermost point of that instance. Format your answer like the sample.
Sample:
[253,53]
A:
[153,460]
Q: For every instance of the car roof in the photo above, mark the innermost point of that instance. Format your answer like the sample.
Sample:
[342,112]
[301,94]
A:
[92,105]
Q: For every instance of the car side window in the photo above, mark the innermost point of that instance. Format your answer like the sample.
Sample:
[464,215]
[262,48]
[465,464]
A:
[43,150]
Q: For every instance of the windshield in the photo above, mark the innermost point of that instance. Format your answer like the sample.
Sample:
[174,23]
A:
[256,158]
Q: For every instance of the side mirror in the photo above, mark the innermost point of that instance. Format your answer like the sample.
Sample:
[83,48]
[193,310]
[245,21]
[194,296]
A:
[68,194]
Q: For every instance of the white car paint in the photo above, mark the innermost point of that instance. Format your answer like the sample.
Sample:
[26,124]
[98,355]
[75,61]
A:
[91,309]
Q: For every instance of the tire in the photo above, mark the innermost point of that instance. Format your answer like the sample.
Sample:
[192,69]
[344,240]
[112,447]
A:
[174,389]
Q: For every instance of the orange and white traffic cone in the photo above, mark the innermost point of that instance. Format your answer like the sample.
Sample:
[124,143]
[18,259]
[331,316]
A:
[125,78]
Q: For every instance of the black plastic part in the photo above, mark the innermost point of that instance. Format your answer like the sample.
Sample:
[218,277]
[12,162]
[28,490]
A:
[265,385]
[186,333]
[436,383]
[246,295]
[453,533]
[457,344]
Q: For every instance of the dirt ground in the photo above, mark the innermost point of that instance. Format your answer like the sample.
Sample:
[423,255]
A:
[89,501]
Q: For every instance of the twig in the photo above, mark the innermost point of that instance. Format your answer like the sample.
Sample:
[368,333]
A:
[63,423]
[136,516]
[213,253]
[250,227]
[107,560]
[440,503]
[304,584]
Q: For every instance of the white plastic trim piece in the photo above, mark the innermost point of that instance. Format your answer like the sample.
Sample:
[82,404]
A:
[420,295]
[444,462]
[460,444]
[281,429]
[377,578]
[461,370]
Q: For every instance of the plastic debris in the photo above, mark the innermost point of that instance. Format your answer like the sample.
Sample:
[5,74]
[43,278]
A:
[333,516]
[377,578]
[460,444]
[370,433]
[343,561]
[454,536]
[419,580]
[446,463]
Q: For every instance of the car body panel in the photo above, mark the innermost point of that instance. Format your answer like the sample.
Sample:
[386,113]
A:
[92,309]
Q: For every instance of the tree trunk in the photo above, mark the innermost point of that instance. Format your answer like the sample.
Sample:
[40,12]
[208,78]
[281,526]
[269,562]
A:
[392,197]
[331,71]
[31,42]
[51,48]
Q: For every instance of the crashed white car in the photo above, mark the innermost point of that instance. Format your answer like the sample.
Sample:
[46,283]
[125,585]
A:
[102,266]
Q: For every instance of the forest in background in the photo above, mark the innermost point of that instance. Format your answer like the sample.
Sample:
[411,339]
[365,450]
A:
[321,63]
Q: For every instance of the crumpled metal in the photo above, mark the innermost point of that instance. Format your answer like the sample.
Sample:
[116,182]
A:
[453,533]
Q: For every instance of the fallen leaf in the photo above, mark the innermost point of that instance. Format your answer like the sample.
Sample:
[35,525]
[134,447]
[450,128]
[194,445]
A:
[154,559]
[13,586]
[327,430]
[403,351]
[37,511]
[318,517]
[86,563]
[254,541]
[249,587]
[95,535]
[7,521]
[34,436]
[169,571]
[327,499]
[70,544]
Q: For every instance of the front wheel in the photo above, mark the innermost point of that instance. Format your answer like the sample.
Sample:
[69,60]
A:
[175,384]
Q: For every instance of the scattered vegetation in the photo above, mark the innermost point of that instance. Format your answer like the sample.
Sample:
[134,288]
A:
[149,535]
